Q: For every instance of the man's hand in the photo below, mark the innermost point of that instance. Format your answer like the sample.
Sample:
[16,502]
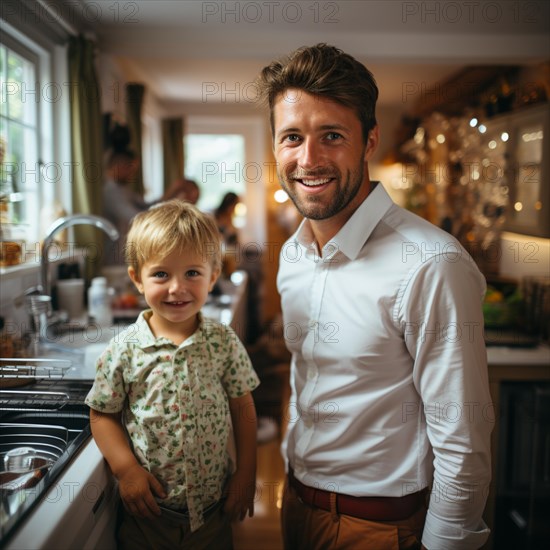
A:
[136,487]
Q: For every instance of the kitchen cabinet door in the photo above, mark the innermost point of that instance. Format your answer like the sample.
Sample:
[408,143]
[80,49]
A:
[528,171]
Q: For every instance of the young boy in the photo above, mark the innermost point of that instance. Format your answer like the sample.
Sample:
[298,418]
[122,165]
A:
[174,382]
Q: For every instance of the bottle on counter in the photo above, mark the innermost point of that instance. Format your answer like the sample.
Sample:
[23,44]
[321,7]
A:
[99,302]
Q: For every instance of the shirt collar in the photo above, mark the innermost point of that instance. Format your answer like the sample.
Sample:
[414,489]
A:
[355,232]
[146,338]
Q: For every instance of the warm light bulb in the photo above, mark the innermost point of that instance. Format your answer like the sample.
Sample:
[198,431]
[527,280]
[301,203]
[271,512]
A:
[240,209]
[280,196]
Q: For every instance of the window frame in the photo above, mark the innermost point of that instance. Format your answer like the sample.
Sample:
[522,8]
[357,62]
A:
[53,192]
[32,196]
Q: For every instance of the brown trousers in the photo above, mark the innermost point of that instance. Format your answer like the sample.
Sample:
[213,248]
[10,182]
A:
[308,528]
[168,533]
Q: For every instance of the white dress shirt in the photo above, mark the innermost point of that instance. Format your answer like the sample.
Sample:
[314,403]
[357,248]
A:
[389,380]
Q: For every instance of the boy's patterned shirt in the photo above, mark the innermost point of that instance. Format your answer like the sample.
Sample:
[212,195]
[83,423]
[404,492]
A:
[175,405]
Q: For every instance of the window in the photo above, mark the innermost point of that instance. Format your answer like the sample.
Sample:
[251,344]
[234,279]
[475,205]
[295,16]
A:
[226,153]
[217,163]
[19,173]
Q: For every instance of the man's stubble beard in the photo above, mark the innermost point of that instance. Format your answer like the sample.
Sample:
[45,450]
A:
[316,209]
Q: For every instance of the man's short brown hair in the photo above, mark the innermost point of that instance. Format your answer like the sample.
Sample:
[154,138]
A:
[324,71]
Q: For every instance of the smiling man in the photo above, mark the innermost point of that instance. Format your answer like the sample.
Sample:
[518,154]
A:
[388,446]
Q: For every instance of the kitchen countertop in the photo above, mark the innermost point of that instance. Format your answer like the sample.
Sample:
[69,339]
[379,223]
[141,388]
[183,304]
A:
[502,355]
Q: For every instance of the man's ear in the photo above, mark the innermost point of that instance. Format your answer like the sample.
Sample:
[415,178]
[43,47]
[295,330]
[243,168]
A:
[135,279]
[372,143]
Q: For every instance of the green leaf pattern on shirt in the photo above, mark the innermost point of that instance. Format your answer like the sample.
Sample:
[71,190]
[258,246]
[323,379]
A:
[175,405]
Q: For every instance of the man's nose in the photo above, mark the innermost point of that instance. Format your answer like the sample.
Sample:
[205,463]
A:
[310,155]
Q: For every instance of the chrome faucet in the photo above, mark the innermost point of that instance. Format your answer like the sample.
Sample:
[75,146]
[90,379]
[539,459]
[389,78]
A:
[62,223]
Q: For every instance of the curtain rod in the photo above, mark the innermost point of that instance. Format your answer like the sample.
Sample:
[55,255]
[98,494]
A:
[57,17]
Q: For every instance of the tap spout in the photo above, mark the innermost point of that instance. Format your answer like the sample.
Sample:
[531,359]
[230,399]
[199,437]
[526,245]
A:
[62,223]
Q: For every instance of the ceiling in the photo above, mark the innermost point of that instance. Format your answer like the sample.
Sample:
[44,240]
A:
[187,50]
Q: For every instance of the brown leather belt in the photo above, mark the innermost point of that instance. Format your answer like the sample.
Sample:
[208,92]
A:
[371,508]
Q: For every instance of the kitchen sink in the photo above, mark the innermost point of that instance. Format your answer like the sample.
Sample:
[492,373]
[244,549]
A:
[69,499]
[43,426]
[74,420]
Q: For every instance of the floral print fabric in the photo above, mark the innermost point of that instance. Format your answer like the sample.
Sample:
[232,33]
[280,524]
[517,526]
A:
[175,407]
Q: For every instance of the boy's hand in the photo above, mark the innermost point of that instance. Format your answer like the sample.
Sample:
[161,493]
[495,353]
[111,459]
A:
[136,487]
[240,496]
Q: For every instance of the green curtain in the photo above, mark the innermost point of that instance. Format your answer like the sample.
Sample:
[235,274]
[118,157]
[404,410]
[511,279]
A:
[172,150]
[134,102]
[86,141]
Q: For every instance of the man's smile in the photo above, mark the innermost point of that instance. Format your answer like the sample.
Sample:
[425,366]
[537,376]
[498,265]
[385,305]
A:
[313,182]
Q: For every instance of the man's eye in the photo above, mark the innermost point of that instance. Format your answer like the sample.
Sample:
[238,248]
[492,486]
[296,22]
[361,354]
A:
[292,137]
[160,275]
[331,136]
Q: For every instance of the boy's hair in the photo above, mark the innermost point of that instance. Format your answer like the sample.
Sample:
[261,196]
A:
[324,71]
[169,226]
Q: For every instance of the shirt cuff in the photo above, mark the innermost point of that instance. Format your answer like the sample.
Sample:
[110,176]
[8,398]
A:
[440,535]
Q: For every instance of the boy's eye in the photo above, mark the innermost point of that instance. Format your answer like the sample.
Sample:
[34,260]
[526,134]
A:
[192,273]
[160,274]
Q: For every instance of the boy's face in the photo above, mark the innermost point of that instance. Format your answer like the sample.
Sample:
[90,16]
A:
[175,287]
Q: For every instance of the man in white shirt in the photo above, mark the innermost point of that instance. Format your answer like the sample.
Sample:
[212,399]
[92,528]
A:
[390,408]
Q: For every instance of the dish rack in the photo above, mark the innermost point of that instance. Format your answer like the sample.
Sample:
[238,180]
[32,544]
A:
[36,369]
[38,380]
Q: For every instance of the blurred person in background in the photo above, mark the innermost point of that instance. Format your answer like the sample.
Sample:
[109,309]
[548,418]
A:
[188,190]
[191,191]
[121,203]
[224,219]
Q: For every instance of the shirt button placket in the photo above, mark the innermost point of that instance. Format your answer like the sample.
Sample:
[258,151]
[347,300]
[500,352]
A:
[310,342]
